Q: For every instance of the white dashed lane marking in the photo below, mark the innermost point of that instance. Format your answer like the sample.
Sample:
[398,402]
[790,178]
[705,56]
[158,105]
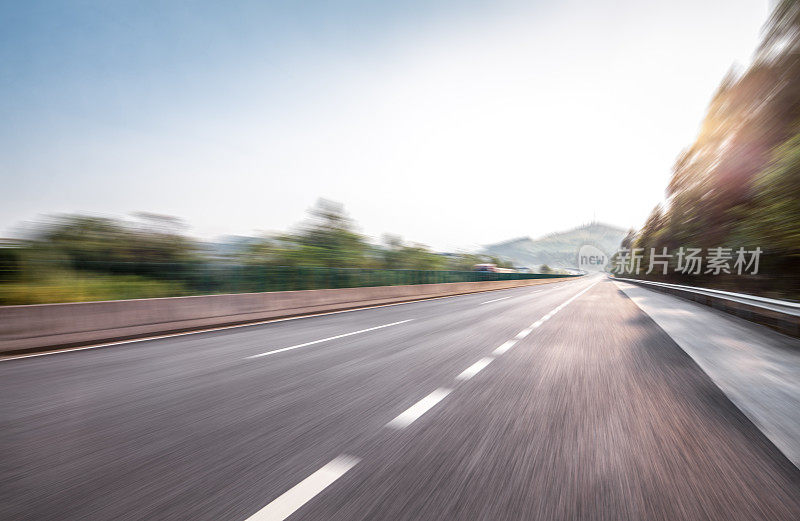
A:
[408,417]
[504,347]
[475,368]
[297,496]
[522,334]
[287,503]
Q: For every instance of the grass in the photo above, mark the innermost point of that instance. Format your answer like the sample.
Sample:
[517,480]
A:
[71,286]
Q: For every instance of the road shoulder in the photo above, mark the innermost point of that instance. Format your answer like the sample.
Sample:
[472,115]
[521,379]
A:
[757,368]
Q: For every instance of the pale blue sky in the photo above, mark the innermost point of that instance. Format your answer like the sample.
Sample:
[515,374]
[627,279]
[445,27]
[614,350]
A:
[450,123]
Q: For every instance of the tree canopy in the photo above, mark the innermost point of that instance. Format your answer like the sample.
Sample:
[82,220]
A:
[738,184]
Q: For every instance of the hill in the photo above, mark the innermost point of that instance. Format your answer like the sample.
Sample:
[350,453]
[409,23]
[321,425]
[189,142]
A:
[558,249]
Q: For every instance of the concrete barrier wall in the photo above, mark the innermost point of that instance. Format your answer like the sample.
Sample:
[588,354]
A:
[46,326]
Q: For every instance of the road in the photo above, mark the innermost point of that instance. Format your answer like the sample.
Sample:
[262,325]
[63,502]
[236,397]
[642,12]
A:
[560,401]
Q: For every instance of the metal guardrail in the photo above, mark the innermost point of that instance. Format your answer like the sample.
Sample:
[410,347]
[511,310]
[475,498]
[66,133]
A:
[781,315]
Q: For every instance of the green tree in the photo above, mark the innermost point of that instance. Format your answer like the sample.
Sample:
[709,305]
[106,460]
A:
[738,184]
[327,238]
[93,242]
[398,255]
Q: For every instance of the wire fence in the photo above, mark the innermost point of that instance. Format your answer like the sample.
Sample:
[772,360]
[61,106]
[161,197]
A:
[213,278]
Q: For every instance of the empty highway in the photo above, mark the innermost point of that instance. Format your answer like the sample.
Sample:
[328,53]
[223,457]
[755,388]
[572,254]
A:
[560,401]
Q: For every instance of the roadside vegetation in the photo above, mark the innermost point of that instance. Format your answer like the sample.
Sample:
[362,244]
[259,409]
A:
[75,286]
[738,184]
[73,258]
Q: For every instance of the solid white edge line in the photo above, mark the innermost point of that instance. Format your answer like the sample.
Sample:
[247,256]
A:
[475,368]
[495,300]
[327,339]
[504,347]
[287,503]
[56,351]
[407,417]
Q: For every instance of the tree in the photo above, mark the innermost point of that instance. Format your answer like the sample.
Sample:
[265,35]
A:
[398,255]
[738,184]
[93,242]
[327,238]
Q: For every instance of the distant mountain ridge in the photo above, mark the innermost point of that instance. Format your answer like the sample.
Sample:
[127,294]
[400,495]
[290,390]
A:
[558,249]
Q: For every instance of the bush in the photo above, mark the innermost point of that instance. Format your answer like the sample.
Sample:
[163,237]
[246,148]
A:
[72,286]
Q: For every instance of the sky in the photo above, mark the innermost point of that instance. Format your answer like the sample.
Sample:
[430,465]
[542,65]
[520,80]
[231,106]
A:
[452,124]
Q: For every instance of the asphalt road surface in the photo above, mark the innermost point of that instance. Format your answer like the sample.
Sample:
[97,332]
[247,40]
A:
[559,401]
